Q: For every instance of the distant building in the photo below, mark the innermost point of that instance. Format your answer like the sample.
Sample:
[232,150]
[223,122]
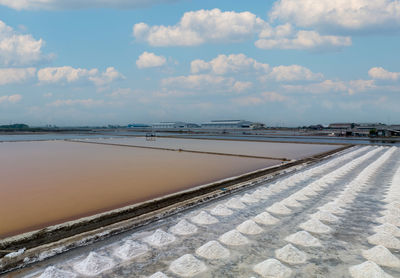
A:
[342,126]
[231,124]
[174,125]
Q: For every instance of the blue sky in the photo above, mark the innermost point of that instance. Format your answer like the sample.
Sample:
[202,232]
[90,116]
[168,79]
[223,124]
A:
[284,62]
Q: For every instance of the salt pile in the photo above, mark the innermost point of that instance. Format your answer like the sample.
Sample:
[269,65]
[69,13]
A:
[233,238]
[392,211]
[395,204]
[158,275]
[203,218]
[272,268]
[235,203]
[187,266]
[332,207]
[53,272]
[183,228]
[221,210]
[262,193]
[315,226]
[325,216]
[249,227]
[291,202]
[159,238]
[212,250]
[299,196]
[391,219]
[381,256]
[131,249]
[266,219]
[93,264]
[368,270]
[308,192]
[291,255]
[279,208]
[303,238]
[384,239]
[247,198]
[389,228]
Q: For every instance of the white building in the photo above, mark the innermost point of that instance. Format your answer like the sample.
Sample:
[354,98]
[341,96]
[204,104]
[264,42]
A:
[228,124]
[173,125]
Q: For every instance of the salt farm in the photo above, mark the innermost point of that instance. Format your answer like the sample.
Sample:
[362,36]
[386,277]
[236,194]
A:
[337,217]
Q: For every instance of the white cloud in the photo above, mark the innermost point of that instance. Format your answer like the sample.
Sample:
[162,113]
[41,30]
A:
[240,86]
[10,99]
[150,60]
[285,37]
[260,99]
[327,86]
[69,74]
[77,4]
[71,102]
[293,73]
[340,15]
[121,92]
[19,49]
[199,82]
[16,75]
[381,73]
[198,27]
[224,64]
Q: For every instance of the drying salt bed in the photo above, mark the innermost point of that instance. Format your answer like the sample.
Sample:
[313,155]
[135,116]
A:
[344,225]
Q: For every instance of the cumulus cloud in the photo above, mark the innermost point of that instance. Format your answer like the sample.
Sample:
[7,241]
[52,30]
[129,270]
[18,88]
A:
[19,49]
[69,74]
[286,37]
[293,73]
[340,15]
[71,102]
[77,4]
[260,99]
[16,75]
[383,74]
[327,86]
[224,64]
[198,82]
[150,60]
[10,99]
[198,27]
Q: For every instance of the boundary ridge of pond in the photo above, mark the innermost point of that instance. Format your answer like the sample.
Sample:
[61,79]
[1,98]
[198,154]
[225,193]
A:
[60,238]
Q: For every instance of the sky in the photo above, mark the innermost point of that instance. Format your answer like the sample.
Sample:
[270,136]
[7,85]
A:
[283,62]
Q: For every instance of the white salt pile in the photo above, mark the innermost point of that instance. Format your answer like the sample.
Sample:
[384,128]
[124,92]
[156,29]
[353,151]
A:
[315,226]
[332,207]
[368,270]
[183,228]
[392,211]
[308,192]
[158,275]
[93,264]
[130,249]
[247,198]
[187,266]
[388,228]
[384,239]
[291,202]
[279,208]
[381,256]
[291,255]
[159,238]
[203,218]
[391,219]
[299,196]
[249,227]
[213,250]
[272,268]
[235,203]
[326,216]
[53,272]
[233,238]
[262,193]
[266,219]
[394,204]
[303,238]
[221,210]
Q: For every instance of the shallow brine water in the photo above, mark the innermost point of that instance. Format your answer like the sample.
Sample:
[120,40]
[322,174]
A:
[339,218]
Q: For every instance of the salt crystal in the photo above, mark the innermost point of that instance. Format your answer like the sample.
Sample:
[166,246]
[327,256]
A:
[389,228]
[233,237]
[291,255]
[384,239]
[158,275]
[266,219]
[368,269]
[235,203]
[53,272]
[159,238]
[221,210]
[93,264]
[381,256]
[247,198]
[325,216]
[131,249]
[183,228]
[187,266]
[303,238]
[249,227]
[272,268]
[279,208]
[315,226]
[213,250]
[203,218]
